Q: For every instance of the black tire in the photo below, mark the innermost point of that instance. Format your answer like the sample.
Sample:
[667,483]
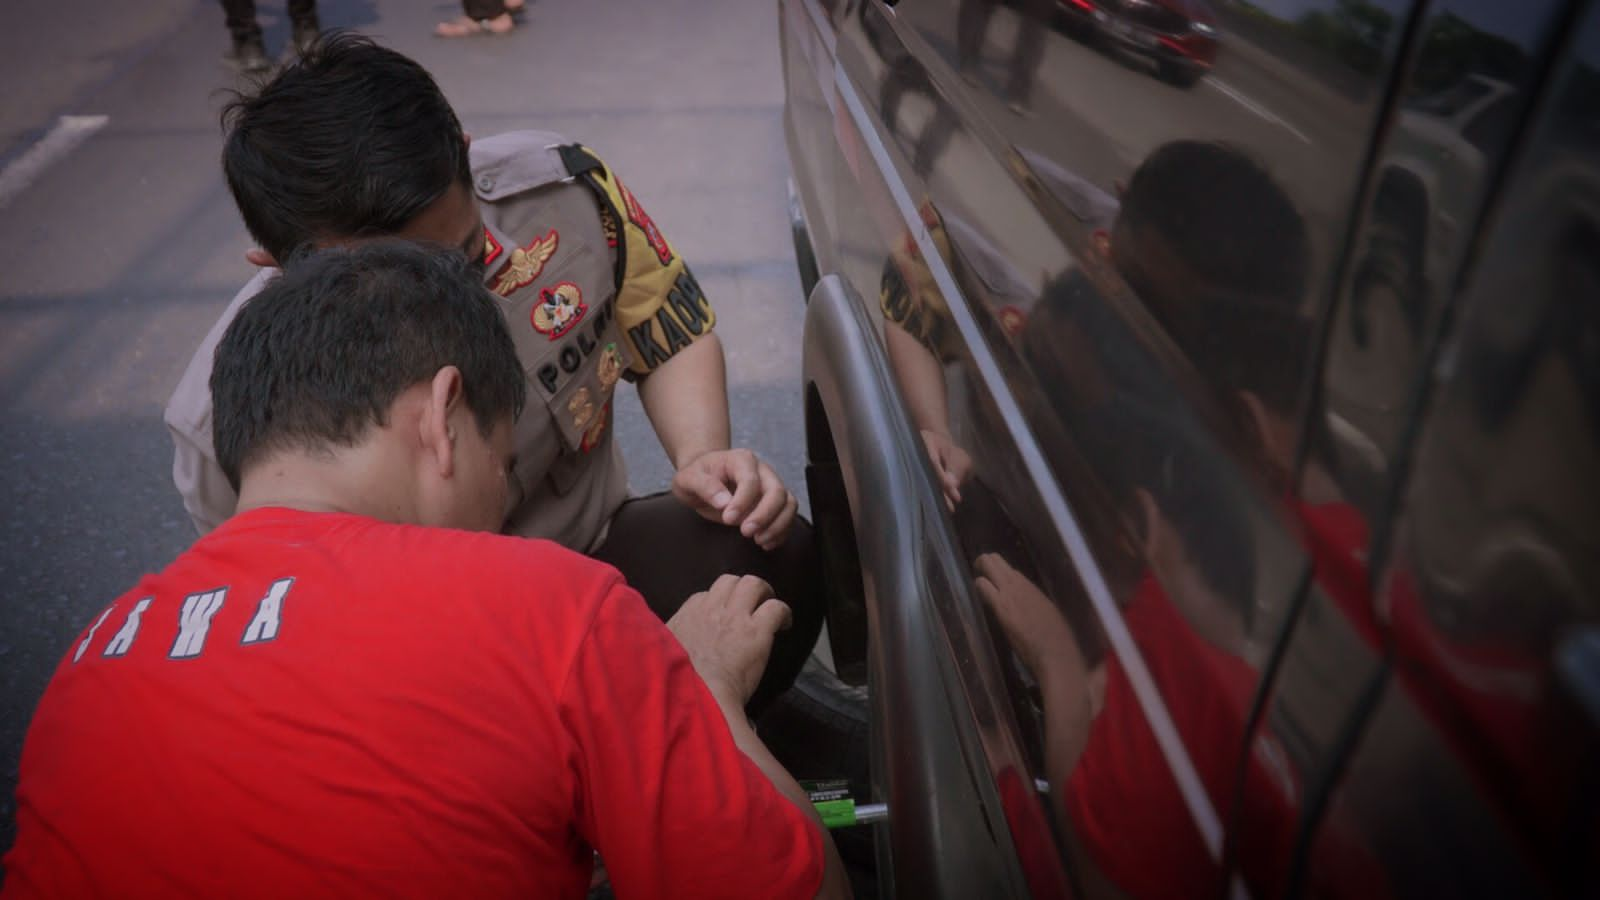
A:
[818,730]
[1180,75]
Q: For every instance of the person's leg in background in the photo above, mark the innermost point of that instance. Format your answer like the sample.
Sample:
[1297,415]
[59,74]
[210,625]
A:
[303,15]
[1033,24]
[248,52]
[667,552]
[480,17]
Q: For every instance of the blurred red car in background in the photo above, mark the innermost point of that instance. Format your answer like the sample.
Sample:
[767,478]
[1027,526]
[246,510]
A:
[1179,36]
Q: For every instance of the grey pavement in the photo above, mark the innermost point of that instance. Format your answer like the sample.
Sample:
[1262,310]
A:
[122,253]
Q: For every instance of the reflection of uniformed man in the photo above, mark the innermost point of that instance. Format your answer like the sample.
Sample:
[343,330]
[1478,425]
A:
[921,338]
[591,290]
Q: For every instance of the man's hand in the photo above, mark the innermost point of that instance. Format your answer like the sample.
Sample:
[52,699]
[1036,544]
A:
[951,462]
[1038,631]
[735,488]
[728,631]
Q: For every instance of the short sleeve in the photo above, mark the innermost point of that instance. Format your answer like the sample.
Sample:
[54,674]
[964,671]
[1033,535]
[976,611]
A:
[207,495]
[660,306]
[909,298]
[665,795]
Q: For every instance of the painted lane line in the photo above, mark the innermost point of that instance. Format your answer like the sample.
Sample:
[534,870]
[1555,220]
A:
[1205,817]
[66,134]
[1236,96]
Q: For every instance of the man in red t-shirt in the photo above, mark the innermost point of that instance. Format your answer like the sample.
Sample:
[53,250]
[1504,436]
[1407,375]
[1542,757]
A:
[324,697]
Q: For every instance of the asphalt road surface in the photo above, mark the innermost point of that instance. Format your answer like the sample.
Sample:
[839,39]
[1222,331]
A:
[119,246]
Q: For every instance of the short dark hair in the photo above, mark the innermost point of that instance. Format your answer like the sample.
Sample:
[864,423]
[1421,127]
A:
[1242,319]
[323,351]
[351,140]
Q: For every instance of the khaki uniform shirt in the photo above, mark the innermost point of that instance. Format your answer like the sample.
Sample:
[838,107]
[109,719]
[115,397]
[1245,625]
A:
[591,291]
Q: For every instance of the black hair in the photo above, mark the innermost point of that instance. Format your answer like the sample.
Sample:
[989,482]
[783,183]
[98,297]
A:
[1242,320]
[323,351]
[351,140]
[1237,315]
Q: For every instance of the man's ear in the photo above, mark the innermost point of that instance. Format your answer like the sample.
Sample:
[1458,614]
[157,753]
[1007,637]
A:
[259,257]
[436,428]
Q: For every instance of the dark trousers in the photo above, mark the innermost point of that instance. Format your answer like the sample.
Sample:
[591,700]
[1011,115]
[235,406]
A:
[667,552]
[972,26]
[483,9]
[241,15]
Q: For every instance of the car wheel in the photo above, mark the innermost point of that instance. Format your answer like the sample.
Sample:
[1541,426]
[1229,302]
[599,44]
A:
[1181,75]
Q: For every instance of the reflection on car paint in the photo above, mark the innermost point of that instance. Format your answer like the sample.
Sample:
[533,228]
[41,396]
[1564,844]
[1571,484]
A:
[1215,304]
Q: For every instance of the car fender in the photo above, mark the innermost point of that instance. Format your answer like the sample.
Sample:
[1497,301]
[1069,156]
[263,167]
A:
[922,765]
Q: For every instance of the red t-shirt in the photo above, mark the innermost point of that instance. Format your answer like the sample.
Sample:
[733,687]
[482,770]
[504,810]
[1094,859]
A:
[1124,799]
[322,704]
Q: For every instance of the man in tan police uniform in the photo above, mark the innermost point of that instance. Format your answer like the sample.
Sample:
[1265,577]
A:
[592,293]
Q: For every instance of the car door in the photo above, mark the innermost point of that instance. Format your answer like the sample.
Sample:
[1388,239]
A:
[1097,296]
[1469,771]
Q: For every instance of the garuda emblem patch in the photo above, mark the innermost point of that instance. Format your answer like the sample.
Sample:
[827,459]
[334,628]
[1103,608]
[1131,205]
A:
[525,264]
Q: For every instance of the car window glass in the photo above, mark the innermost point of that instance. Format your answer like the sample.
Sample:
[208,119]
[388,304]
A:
[1465,776]
[1471,776]
[1425,197]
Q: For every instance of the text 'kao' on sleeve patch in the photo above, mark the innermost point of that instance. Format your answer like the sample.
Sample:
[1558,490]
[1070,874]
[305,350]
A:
[685,316]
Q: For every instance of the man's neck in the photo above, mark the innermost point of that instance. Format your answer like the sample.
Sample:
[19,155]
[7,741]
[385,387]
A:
[350,480]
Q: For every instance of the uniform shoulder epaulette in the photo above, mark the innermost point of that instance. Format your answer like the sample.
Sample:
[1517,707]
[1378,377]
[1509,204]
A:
[517,161]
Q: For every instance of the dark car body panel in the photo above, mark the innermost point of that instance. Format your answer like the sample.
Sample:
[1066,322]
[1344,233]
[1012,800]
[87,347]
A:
[1248,389]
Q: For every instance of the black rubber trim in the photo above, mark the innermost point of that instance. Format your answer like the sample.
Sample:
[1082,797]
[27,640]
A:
[1258,706]
[578,160]
[620,268]
[1327,779]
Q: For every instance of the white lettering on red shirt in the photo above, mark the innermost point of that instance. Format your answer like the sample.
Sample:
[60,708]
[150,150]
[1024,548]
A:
[84,644]
[194,621]
[269,614]
[130,629]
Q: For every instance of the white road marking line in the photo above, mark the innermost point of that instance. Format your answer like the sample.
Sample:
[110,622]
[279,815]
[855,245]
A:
[1203,813]
[1239,98]
[68,133]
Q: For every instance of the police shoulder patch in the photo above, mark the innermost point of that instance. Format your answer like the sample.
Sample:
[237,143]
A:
[491,248]
[559,309]
[644,223]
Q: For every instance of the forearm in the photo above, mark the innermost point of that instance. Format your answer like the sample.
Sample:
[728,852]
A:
[921,379]
[1068,715]
[834,881]
[687,401]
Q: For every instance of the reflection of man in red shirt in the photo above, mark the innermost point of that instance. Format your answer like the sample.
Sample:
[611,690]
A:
[1216,257]
[320,699]
[1109,777]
